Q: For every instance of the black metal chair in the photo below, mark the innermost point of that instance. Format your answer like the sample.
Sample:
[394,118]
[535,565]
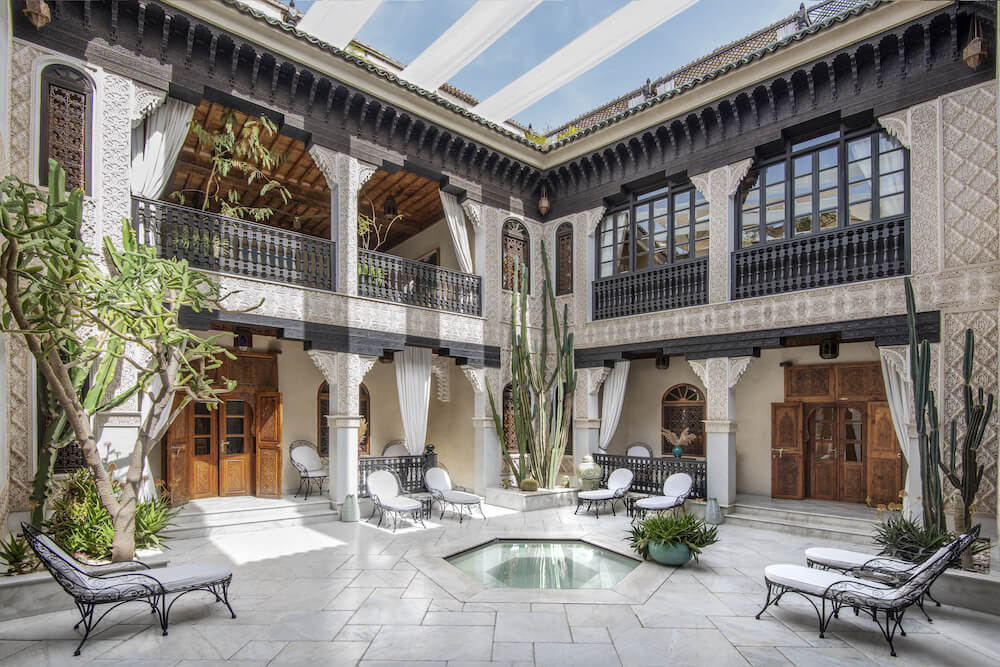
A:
[306,460]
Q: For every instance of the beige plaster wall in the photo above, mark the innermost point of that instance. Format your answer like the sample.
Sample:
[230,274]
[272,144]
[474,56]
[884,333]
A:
[435,236]
[763,384]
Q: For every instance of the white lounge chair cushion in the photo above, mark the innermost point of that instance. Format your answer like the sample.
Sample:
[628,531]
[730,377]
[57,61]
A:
[399,504]
[185,576]
[656,503]
[461,498]
[841,559]
[810,580]
[314,473]
[597,494]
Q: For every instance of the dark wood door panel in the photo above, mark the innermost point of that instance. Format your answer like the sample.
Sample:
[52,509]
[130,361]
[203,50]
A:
[787,460]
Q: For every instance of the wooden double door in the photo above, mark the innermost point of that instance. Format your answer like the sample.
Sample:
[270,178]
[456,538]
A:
[836,444]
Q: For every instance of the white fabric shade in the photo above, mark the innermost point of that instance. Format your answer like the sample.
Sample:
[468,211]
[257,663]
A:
[899,394]
[455,217]
[156,150]
[337,21]
[413,384]
[611,405]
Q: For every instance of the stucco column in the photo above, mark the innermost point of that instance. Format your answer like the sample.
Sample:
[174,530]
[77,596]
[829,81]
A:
[719,185]
[586,412]
[486,445]
[343,373]
[720,375]
[345,176]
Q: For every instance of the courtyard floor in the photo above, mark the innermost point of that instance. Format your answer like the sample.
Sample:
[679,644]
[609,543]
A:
[346,594]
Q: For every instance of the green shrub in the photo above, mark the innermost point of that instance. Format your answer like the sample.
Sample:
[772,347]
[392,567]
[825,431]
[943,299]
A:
[18,556]
[905,539]
[673,530]
[81,525]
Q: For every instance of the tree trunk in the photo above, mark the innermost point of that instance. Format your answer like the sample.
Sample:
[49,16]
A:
[123,522]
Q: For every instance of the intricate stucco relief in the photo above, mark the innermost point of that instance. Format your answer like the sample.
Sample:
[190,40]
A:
[343,372]
[925,218]
[441,370]
[20,408]
[737,367]
[476,377]
[700,368]
[969,171]
[473,211]
[897,124]
[718,186]
[719,375]
[145,100]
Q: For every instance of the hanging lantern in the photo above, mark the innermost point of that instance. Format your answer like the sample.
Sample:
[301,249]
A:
[390,206]
[974,54]
[38,13]
[543,202]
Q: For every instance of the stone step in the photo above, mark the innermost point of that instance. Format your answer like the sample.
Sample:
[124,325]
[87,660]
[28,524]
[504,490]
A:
[856,530]
[221,520]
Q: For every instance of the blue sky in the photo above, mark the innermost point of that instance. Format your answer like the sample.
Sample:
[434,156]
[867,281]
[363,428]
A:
[404,28]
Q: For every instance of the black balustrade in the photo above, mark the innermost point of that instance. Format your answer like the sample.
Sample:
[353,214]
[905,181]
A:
[402,280]
[852,254]
[650,473]
[663,288]
[216,243]
[409,469]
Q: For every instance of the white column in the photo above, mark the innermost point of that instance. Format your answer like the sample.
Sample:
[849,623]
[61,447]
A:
[486,445]
[586,412]
[719,186]
[720,375]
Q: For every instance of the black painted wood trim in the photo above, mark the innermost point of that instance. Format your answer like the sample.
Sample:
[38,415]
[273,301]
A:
[889,330]
[335,338]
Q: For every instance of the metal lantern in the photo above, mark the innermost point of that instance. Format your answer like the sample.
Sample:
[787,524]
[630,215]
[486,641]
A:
[974,54]
[38,13]
[543,202]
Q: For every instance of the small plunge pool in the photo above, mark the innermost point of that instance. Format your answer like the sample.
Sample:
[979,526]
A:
[564,564]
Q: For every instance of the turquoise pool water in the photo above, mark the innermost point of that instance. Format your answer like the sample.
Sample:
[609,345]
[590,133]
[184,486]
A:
[543,564]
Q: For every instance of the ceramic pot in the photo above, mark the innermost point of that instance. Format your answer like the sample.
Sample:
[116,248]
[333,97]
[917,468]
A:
[590,474]
[349,512]
[678,451]
[713,513]
[674,554]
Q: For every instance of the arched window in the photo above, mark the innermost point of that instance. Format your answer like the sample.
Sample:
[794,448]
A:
[516,253]
[66,107]
[509,429]
[323,411]
[683,408]
[564,259]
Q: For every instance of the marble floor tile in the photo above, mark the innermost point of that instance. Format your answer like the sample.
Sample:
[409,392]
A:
[329,654]
[411,643]
[576,655]
[513,626]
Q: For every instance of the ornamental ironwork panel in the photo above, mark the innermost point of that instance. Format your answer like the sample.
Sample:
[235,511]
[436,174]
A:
[409,469]
[67,132]
[216,243]
[674,286]
[516,253]
[852,254]
[509,425]
[69,458]
[401,280]
[650,473]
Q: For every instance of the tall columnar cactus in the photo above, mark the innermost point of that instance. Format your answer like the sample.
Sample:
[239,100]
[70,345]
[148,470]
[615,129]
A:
[926,418]
[977,416]
[543,386]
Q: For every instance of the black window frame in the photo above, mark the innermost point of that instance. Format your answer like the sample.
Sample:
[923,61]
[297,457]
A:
[646,198]
[789,155]
[54,74]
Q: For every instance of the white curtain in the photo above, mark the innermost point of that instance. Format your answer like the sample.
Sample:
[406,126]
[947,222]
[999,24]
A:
[155,154]
[899,393]
[413,384]
[456,227]
[611,406]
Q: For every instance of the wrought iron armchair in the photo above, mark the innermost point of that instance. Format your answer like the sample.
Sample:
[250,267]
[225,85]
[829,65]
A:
[676,489]
[862,595]
[438,482]
[91,586]
[387,497]
[619,482]
[311,469]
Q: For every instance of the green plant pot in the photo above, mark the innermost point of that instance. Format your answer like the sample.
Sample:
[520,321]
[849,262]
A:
[674,554]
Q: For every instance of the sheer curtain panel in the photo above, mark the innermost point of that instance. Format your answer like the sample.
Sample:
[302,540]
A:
[611,405]
[455,217]
[413,384]
[155,151]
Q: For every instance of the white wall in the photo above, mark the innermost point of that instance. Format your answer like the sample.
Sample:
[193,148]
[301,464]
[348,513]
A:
[435,236]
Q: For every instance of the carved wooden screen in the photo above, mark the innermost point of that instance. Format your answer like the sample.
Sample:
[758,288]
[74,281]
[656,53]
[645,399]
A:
[564,259]
[683,407]
[65,124]
[322,411]
[509,429]
[516,253]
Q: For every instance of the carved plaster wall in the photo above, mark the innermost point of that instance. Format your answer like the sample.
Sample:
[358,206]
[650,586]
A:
[343,372]
[719,376]
[20,434]
[718,186]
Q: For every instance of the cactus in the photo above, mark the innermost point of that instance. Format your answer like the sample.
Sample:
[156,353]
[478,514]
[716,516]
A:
[977,416]
[927,420]
[543,399]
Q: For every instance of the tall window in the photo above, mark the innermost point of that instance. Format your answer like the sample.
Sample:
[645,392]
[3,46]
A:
[66,114]
[683,408]
[323,411]
[509,427]
[833,180]
[516,253]
[666,226]
[564,259]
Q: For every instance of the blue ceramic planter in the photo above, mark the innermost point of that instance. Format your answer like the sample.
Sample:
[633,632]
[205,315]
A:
[676,554]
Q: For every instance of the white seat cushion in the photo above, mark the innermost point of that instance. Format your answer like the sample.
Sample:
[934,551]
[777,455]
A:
[314,473]
[400,504]
[461,498]
[184,576]
[810,580]
[659,502]
[841,559]
[597,494]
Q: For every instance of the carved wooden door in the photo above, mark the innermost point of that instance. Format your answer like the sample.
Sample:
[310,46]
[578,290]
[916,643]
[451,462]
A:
[204,453]
[176,447]
[787,460]
[851,452]
[885,461]
[821,443]
[269,419]
[235,448]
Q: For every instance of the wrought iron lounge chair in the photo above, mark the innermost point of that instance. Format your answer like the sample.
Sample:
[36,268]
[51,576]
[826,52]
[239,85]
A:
[438,482]
[306,460]
[675,489]
[640,450]
[387,498]
[619,482]
[91,585]
[871,597]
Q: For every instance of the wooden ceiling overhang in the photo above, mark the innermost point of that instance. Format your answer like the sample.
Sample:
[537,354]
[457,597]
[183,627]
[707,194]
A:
[417,199]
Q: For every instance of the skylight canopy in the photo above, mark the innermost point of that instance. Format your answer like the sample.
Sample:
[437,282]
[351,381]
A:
[592,47]
[481,26]
[337,21]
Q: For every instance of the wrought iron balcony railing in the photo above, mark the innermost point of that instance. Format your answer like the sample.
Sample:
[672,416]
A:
[852,254]
[401,280]
[650,473]
[216,243]
[663,288]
